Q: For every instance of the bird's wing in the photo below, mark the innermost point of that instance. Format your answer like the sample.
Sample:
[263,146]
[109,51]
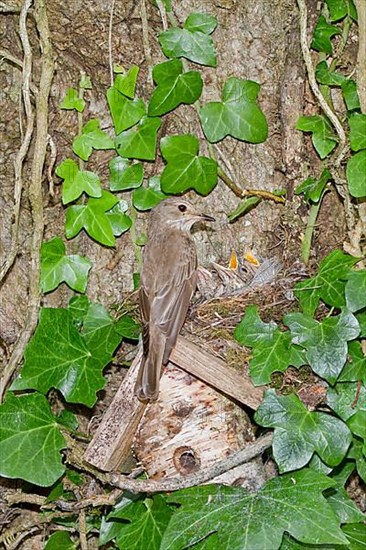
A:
[166,306]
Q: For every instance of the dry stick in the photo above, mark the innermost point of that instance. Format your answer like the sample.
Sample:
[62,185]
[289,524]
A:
[23,150]
[145,38]
[110,29]
[361,55]
[35,190]
[162,11]
[252,450]
[82,530]
[4,54]
[342,147]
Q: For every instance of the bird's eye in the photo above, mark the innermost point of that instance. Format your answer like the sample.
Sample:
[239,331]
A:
[182,207]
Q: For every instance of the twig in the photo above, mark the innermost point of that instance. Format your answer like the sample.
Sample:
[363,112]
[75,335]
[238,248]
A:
[24,147]
[241,193]
[51,164]
[306,241]
[361,55]
[74,457]
[110,32]
[162,11]
[82,530]
[145,38]
[5,8]
[35,190]
[311,76]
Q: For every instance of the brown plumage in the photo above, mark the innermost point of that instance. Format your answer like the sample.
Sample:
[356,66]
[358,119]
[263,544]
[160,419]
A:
[168,281]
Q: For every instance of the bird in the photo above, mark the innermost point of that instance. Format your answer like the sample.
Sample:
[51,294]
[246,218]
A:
[167,283]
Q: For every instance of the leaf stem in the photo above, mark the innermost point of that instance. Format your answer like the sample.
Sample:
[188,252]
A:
[308,236]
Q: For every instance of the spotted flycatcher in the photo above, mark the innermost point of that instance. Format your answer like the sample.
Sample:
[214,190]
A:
[168,281]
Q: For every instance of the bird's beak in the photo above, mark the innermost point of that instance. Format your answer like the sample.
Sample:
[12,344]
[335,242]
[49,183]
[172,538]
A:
[207,218]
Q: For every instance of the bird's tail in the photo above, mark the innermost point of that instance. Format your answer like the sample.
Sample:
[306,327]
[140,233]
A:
[148,378]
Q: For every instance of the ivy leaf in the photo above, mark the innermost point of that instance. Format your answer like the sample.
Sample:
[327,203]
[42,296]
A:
[356,535]
[125,112]
[128,328]
[85,82]
[323,137]
[350,95]
[185,169]
[357,425]
[299,433]
[237,115]
[57,268]
[143,523]
[30,440]
[341,399]
[60,356]
[355,368]
[123,175]
[324,76]
[357,136]
[174,86]
[93,218]
[148,197]
[328,284]
[60,539]
[245,206]
[325,342]
[338,9]
[193,41]
[126,83]
[356,290]
[323,32]
[239,519]
[356,174]
[119,220]
[77,182]
[92,137]
[272,348]
[140,141]
[313,189]
[73,101]
[202,22]
[358,456]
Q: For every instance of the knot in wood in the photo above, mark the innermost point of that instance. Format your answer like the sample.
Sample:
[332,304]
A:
[185,460]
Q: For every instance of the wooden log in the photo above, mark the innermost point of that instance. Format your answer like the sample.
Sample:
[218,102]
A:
[111,443]
[216,373]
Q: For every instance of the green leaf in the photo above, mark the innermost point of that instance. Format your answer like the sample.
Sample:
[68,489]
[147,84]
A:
[355,368]
[341,399]
[126,83]
[174,87]
[357,425]
[123,175]
[144,523]
[324,76]
[30,440]
[128,328]
[356,290]
[185,169]
[357,455]
[338,9]
[299,433]
[356,535]
[57,268]
[245,206]
[148,197]
[237,115]
[272,348]
[202,22]
[73,101]
[93,218]
[361,318]
[77,182]
[140,141]
[119,221]
[350,95]
[68,419]
[256,521]
[60,540]
[313,189]
[60,356]
[125,112]
[85,82]
[356,174]
[92,137]
[328,284]
[357,136]
[325,342]
[193,41]
[323,137]
[323,32]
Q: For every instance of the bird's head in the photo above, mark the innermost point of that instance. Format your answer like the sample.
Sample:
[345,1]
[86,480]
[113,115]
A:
[179,213]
